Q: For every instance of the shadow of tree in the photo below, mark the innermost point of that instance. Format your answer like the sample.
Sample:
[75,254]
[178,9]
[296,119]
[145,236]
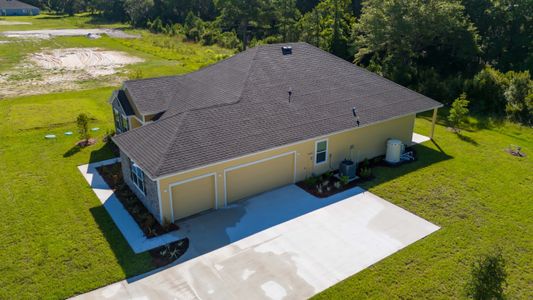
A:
[72,151]
[467,139]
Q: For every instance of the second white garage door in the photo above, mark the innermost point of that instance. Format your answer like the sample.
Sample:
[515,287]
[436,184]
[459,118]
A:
[257,177]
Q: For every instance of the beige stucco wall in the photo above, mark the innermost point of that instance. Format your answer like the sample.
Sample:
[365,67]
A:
[368,142]
[134,123]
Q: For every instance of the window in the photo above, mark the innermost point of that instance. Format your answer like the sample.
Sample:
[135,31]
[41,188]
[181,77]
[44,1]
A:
[137,176]
[121,122]
[321,152]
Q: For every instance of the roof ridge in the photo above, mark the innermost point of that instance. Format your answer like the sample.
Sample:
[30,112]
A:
[163,158]
[252,60]
[186,113]
[238,94]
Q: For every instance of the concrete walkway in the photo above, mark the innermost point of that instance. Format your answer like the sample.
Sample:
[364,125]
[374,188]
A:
[419,139]
[124,221]
[281,244]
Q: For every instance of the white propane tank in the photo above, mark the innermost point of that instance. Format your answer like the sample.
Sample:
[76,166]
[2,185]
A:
[394,151]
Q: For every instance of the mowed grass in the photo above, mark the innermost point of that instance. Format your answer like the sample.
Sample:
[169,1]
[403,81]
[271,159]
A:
[56,240]
[480,196]
[52,21]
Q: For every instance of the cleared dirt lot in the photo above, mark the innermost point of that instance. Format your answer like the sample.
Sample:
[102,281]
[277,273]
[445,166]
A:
[62,69]
[50,33]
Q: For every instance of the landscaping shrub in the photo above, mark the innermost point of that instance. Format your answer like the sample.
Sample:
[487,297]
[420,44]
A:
[458,112]
[519,97]
[311,181]
[83,126]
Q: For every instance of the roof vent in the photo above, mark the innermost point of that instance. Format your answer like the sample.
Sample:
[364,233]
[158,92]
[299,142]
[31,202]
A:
[286,50]
[354,112]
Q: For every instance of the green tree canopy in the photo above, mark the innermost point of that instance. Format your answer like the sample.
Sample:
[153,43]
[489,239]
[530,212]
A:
[403,39]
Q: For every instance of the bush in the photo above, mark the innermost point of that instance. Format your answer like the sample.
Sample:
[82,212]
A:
[83,126]
[344,179]
[458,112]
[488,278]
[229,40]
[311,181]
[365,172]
[486,91]
[519,97]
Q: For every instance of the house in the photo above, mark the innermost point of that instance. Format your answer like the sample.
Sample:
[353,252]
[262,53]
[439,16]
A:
[264,118]
[17,8]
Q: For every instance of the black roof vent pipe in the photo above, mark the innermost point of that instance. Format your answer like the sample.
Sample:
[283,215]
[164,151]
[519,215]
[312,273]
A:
[286,50]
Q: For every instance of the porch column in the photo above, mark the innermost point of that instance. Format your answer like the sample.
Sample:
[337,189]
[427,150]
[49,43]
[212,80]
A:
[433,121]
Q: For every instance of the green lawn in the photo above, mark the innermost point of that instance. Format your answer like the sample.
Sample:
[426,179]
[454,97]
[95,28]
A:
[56,239]
[51,21]
[478,194]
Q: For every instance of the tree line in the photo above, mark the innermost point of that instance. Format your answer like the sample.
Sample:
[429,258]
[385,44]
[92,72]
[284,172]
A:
[441,48]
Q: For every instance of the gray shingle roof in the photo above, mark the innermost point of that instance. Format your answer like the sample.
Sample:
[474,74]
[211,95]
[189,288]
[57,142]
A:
[14,4]
[240,106]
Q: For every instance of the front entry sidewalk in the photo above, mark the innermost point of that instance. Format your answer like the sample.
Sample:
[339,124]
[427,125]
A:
[283,244]
[124,221]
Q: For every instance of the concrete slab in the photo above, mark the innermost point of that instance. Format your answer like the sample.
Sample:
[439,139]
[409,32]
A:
[124,221]
[281,244]
[419,139]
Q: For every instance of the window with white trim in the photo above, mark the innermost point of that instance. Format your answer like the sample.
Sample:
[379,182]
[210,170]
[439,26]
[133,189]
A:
[137,177]
[321,152]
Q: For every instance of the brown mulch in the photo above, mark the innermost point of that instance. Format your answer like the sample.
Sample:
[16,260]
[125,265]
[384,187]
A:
[162,256]
[112,175]
[86,143]
[332,189]
[515,152]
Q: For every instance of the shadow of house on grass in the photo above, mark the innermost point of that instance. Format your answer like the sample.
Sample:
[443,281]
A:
[425,156]
[106,151]
[132,264]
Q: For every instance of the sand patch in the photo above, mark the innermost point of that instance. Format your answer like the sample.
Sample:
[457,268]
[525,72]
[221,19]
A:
[50,33]
[92,60]
[4,42]
[65,69]
[8,23]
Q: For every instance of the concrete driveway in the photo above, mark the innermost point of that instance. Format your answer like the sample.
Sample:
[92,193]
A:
[281,244]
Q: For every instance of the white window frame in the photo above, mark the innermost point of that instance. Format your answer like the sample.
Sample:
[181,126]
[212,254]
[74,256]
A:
[136,171]
[316,152]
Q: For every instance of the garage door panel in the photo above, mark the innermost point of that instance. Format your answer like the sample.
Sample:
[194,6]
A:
[259,177]
[193,197]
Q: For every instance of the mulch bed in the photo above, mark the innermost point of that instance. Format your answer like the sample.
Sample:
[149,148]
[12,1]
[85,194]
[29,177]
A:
[515,151]
[112,175]
[332,189]
[166,254]
[86,143]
